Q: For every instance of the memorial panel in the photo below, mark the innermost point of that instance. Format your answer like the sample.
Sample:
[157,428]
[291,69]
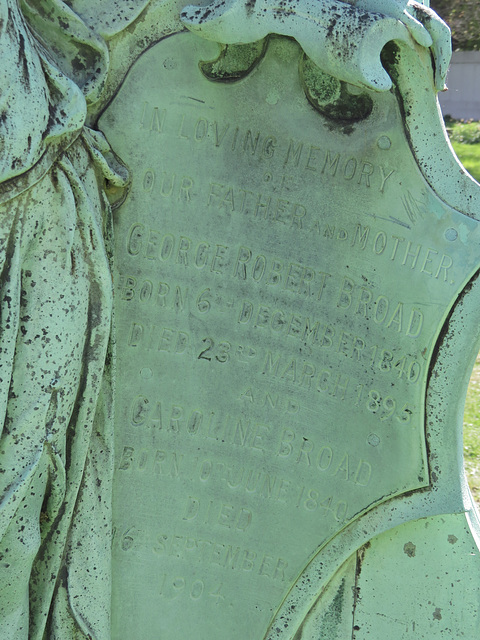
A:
[281,278]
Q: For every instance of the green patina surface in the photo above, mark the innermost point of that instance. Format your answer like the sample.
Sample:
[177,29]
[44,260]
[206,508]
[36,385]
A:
[295,311]
[280,288]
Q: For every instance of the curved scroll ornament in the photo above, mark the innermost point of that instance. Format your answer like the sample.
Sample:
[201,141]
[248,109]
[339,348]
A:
[56,300]
[328,95]
[344,39]
[342,42]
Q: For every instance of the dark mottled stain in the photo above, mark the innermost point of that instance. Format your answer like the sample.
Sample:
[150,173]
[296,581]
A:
[235,61]
[22,59]
[54,179]
[445,328]
[78,65]
[389,57]
[330,97]
[409,549]
[250,6]
[10,21]
[331,27]
[332,617]
[52,118]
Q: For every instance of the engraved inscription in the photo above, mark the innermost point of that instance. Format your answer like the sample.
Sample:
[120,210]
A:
[241,262]
[212,513]
[274,336]
[405,253]
[205,552]
[290,153]
[241,201]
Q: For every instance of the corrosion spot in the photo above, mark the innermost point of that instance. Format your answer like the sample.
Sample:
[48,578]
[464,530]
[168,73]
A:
[409,548]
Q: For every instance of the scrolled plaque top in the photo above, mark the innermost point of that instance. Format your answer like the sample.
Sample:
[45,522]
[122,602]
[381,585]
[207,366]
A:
[280,289]
[345,39]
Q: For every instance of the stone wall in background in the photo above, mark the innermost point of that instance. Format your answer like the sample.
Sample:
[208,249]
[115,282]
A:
[462,100]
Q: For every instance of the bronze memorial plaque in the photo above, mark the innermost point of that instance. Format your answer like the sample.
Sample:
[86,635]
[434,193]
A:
[282,274]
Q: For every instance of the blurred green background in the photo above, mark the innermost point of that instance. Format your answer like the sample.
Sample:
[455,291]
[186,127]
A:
[465,139]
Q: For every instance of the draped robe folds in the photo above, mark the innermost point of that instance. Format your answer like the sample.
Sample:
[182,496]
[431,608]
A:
[55,328]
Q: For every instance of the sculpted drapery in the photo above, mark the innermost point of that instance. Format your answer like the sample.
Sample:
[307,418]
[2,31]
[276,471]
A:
[56,300]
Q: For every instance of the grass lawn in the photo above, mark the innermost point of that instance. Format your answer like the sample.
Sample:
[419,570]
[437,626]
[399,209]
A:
[469,156]
[465,139]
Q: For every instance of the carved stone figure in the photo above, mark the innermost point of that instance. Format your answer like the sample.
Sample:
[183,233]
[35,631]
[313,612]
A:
[56,304]
[61,64]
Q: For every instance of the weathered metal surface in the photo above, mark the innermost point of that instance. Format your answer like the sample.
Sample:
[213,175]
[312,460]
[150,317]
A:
[281,281]
[295,278]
